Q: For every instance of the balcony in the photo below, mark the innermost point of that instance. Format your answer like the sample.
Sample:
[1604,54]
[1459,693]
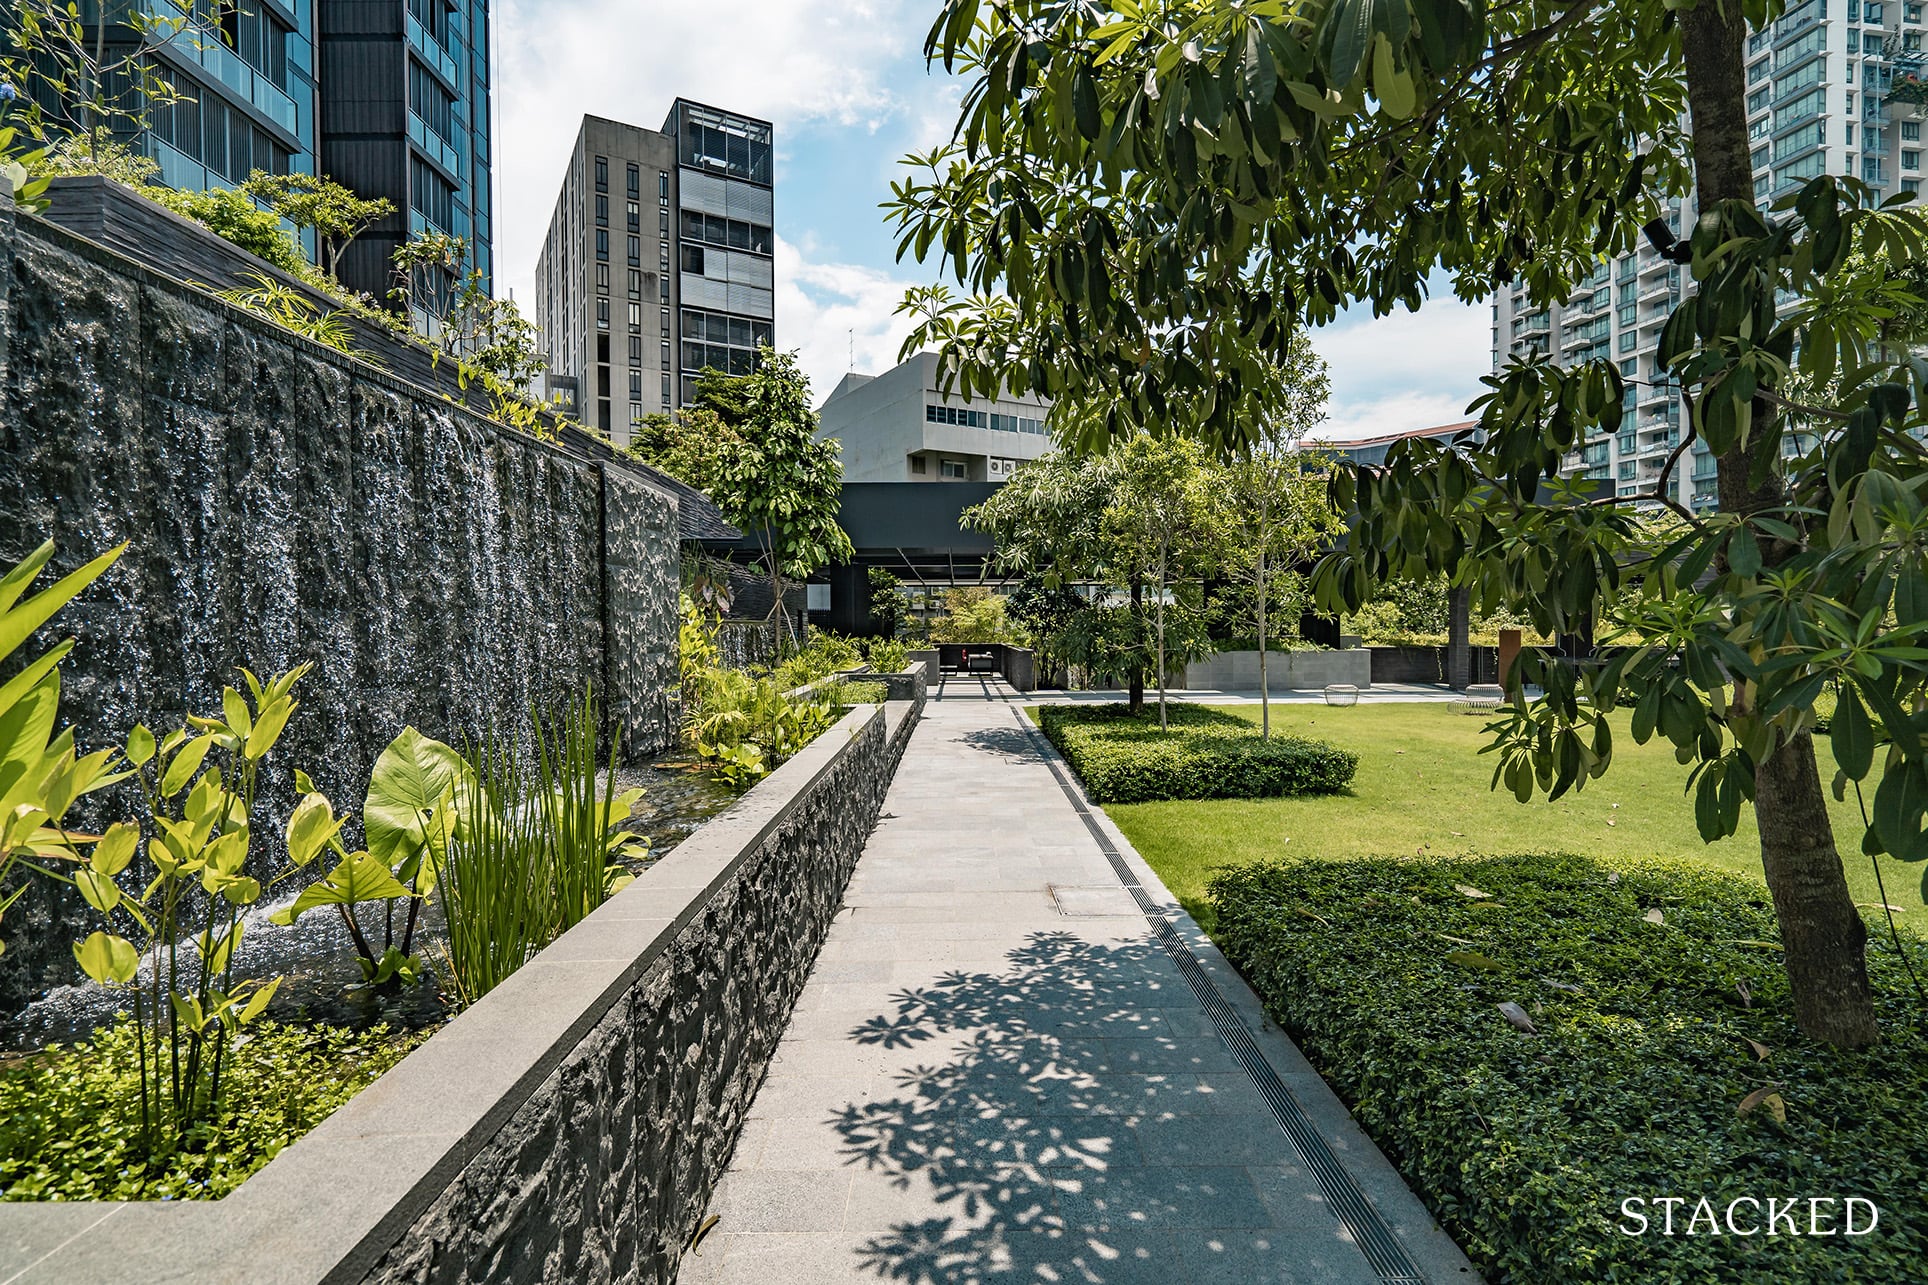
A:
[198,49]
[433,56]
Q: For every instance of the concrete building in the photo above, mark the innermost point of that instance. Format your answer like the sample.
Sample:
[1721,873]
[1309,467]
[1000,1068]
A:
[900,427]
[404,114]
[1834,88]
[658,263]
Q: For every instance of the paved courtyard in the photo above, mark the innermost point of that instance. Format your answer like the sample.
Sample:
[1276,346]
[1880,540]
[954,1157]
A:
[999,1070]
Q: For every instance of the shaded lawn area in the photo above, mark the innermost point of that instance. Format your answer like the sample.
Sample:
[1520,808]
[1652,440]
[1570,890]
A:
[1423,789]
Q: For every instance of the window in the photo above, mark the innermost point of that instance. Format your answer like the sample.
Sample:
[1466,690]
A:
[917,464]
[635,182]
[636,408]
[635,317]
[1871,14]
[1912,12]
[1628,340]
[429,194]
[1910,131]
[665,313]
[635,385]
[1910,159]
[635,350]
[602,314]
[1911,41]
[602,173]
[662,184]
[1911,185]
[635,217]
[693,259]
[635,249]
[635,283]
[602,278]
[1850,138]
[602,245]
[954,470]
[602,211]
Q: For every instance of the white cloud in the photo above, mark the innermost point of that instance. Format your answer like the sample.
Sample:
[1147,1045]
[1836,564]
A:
[793,62]
[1407,370]
[838,316]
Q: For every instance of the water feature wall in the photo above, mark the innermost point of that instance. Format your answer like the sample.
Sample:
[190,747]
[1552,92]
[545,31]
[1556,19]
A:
[282,504]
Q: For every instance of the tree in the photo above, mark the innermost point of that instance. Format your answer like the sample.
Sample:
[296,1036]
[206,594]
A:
[1144,200]
[972,614]
[72,85]
[693,445]
[1161,520]
[335,213]
[782,485]
[1275,518]
[889,604]
[1048,521]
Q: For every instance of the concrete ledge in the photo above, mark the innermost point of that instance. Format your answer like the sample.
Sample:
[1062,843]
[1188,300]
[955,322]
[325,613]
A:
[571,1124]
[1237,671]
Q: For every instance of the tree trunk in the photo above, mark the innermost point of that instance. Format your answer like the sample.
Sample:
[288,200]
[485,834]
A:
[1820,928]
[1163,726]
[1265,685]
[1137,652]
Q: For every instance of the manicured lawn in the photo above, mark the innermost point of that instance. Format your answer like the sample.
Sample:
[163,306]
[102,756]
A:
[1422,789]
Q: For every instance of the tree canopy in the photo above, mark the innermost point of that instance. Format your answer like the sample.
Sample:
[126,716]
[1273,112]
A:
[1145,198]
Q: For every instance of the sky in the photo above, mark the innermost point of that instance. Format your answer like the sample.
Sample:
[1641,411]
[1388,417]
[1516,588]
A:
[844,83]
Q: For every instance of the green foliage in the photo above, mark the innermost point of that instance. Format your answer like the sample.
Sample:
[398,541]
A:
[70,1121]
[825,654]
[73,86]
[693,445]
[744,724]
[781,485]
[533,846]
[885,655]
[198,785]
[314,201]
[42,774]
[1648,987]
[889,604]
[1124,757]
[853,692]
[75,156]
[972,614]
[293,310]
[234,218]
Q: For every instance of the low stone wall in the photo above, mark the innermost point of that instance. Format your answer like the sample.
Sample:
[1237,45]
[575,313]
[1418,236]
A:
[1239,670]
[910,685]
[570,1125]
[1427,664]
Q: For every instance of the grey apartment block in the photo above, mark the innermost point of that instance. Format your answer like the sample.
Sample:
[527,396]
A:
[1821,84]
[901,427]
[658,263]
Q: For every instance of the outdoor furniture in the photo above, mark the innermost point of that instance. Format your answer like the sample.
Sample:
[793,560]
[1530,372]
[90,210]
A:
[1480,698]
[1341,695]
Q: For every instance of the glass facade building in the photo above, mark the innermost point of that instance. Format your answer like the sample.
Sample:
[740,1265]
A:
[1834,87]
[658,263]
[405,97]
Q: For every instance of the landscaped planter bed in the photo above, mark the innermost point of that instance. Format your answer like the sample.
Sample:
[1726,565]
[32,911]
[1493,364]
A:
[571,1123]
[1127,758]
[1660,1026]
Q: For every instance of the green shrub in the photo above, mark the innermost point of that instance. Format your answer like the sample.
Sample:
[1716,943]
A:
[886,655]
[234,218]
[1388,973]
[1208,754]
[847,694]
[70,1121]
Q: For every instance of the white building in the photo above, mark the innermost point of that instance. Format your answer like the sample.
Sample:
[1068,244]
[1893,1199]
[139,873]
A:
[1821,99]
[899,427]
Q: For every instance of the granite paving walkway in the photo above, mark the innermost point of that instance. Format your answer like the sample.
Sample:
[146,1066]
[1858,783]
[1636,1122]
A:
[996,1073]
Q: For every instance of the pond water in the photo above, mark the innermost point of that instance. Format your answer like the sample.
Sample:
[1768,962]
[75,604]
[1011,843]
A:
[316,958]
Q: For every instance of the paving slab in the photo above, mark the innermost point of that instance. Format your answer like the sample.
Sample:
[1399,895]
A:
[998,1072]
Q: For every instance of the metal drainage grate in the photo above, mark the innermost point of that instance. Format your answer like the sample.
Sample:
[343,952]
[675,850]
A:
[1382,1249]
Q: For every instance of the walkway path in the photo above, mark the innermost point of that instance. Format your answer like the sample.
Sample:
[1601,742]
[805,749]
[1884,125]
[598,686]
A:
[1001,1071]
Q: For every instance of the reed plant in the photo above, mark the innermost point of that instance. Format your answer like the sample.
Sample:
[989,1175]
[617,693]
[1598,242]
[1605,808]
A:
[533,846]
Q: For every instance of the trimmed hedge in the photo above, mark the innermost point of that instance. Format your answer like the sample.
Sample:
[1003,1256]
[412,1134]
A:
[1208,754]
[1389,974]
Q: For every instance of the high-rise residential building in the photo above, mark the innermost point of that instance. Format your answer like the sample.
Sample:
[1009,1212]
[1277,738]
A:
[1833,88]
[900,426]
[659,262]
[405,90]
